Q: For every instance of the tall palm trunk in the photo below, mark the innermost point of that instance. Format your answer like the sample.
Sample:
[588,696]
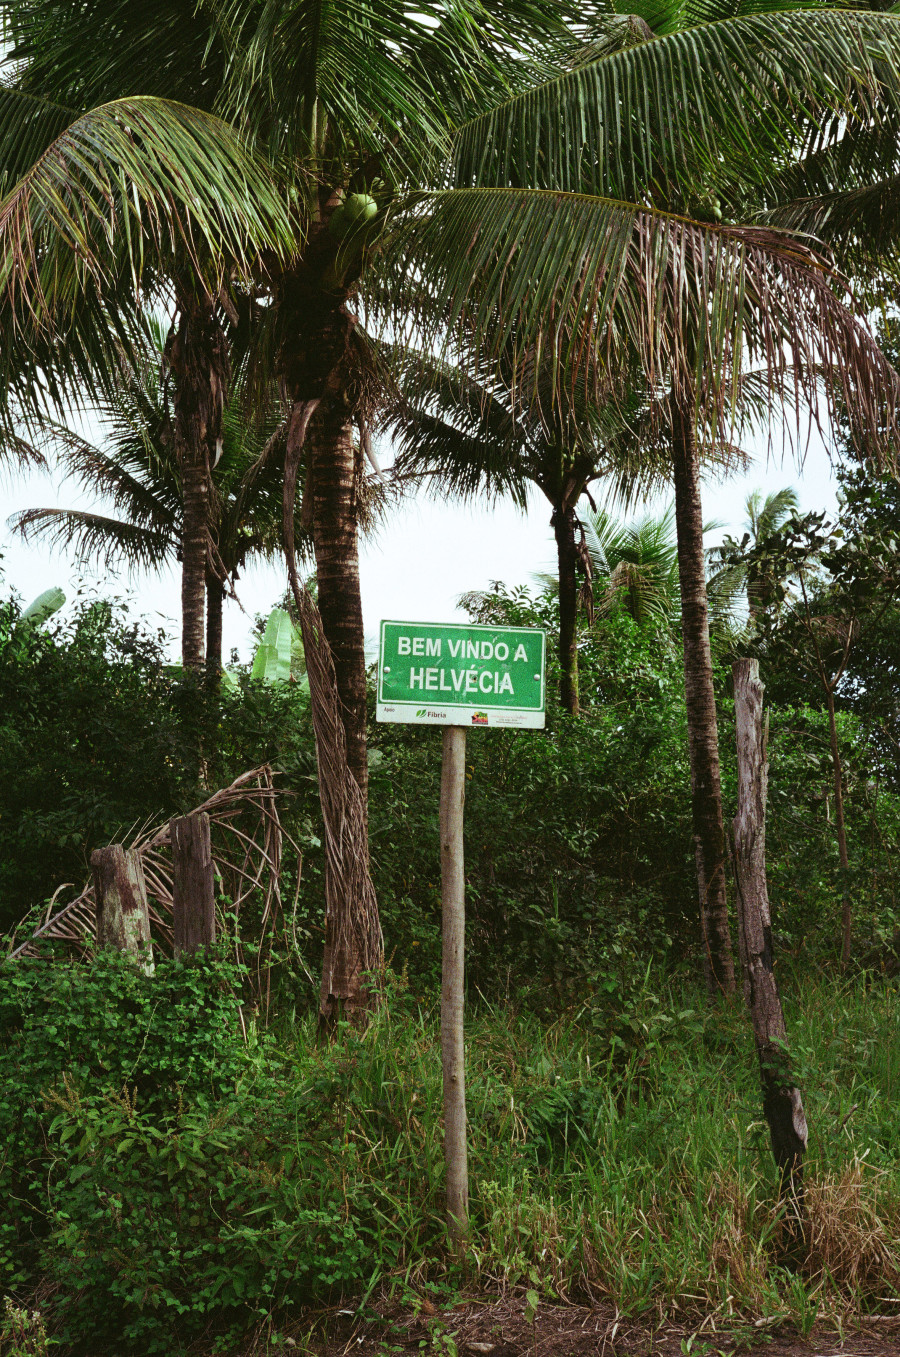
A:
[316,365]
[331,462]
[703,736]
[567,556]
[316,362]
[197,355]
[215,598]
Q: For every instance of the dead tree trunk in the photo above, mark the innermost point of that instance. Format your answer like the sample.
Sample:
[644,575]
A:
[193,886]
[782,1104]
[123,920]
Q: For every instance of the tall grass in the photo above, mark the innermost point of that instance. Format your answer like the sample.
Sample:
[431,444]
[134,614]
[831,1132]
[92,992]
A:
[617,1154]
[635,1171]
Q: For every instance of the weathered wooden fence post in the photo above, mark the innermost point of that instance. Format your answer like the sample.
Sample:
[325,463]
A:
[120,898]
[193,889]
[782,1104]
[453,1051]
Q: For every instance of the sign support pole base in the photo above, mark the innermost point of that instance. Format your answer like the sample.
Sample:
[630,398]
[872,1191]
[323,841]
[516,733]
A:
[453,795]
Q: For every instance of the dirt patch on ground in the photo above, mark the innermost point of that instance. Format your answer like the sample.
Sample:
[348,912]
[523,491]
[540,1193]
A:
[504,1327]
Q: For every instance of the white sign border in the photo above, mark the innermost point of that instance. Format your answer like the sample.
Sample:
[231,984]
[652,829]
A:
[446,714]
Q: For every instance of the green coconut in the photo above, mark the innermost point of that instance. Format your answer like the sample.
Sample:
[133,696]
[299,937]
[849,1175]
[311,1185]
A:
[354,212]
[359,208]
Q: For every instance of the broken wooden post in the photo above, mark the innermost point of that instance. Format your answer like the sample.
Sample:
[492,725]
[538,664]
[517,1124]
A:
[120,898]
[782,1104]
[193,887]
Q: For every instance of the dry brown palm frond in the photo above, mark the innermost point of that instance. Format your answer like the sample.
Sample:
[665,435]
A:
[248,841]
[354,947]
[587,279]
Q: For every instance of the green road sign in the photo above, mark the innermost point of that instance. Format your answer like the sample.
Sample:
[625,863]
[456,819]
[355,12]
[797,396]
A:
[446,675]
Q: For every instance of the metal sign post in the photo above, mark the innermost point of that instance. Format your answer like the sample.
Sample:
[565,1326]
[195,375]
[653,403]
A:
[459,677]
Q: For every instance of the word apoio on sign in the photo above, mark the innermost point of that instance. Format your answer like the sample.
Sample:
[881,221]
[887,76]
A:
[501,669]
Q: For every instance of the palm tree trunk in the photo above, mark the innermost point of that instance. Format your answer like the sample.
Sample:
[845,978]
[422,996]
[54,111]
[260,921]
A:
[197,355]
[703,736]
[195,495]
[332,480]
[317,365]
[564,531]
[215,597]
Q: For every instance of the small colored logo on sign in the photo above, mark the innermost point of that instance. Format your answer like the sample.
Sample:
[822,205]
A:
[479,718]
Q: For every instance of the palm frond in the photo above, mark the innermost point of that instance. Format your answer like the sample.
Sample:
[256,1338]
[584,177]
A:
[343,83]
[130,178]
[580,280]
[691,108]
[20,451]
[88,53]
[766,513]
[29,123]
[451,430]
[94,538]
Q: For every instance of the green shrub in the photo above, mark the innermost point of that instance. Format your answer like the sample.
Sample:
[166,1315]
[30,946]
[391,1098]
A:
[162,1171]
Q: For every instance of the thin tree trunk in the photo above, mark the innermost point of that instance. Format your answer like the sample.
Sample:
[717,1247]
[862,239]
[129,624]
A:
[354,950]
[215,598]
[564,531]
[703,737]
[197,355]
[782,1103]
[840,825]
[332,469]
[453,899]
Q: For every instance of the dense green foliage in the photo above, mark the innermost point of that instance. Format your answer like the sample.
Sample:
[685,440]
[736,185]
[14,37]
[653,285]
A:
[171,1180]
[174,1168]
[135,1174]
[98,736]
[578,838]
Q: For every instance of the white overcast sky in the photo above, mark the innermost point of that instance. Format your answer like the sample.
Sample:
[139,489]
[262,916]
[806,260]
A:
[429,553]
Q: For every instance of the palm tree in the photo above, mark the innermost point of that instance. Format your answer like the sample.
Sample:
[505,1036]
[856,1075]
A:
[636,564]
[469,436]
[634,567]
[472,437]
[353,104]
[579,220]
[766,514]
[593,235]
[118,185]
[359,102]
[141,472]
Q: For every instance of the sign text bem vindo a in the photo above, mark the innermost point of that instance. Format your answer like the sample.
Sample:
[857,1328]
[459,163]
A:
[448,675]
